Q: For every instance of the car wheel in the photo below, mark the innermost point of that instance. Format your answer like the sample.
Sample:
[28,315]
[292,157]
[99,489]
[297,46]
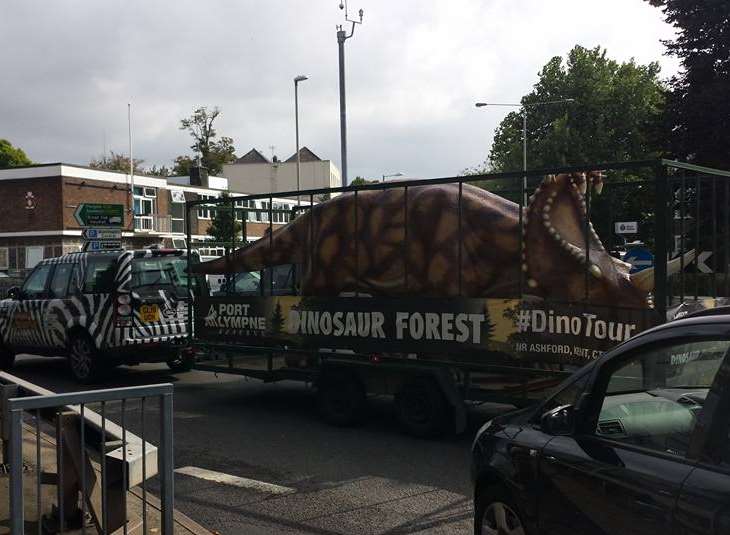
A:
[495,513]
[183,362]
[83,359]
[340,399]
[421,408]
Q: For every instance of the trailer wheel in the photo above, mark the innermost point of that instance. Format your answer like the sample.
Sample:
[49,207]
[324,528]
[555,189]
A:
[341,399]
[422,409]
[183,361]
[7,357]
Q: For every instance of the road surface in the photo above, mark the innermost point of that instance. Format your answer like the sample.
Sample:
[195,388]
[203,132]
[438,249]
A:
[253,458]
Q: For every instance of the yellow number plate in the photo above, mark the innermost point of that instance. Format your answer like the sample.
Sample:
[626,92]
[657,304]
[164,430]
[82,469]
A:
[149,313]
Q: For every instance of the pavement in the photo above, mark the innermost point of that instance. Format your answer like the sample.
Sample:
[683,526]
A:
[136,499]
[255,458]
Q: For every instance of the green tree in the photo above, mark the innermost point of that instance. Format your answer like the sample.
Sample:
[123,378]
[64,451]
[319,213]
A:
[163,170]
[223,227]
[698,108]
[213,152]
[277,320]
[12,156]
[115,161]
[360,181]
[616,114]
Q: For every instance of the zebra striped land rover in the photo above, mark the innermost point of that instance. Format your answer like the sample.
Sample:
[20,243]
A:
[100,309]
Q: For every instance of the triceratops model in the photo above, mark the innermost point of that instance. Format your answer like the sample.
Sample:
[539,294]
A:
[406,242]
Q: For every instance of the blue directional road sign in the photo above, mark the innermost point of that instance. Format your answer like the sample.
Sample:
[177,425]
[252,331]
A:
[639,258]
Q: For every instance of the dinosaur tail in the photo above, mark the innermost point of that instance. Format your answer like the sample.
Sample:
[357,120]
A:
[272,249]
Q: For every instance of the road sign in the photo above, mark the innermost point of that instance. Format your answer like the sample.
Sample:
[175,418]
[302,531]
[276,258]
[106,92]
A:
[102,234]
[100,215]
[107,245]
[639,258]
[626,227]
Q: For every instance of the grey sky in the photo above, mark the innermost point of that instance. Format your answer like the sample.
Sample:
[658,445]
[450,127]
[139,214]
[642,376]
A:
[414,67]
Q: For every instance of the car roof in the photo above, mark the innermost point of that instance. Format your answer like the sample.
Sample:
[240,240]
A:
[75,257]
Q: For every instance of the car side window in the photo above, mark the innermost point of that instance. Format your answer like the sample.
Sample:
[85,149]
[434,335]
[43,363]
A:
[60,280]
[100,272]
[35,284]
[654,398]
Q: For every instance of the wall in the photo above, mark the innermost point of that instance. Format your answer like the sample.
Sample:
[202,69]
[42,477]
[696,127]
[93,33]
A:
[271,178]
[46,215]
[77,191]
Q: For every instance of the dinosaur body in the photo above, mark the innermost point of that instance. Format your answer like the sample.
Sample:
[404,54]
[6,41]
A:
[404,241]
[366,243]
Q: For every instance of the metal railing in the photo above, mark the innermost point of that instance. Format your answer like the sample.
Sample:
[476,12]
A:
[125,459]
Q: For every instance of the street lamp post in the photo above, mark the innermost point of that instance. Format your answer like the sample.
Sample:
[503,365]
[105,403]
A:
[341,38]
[394,174]
[297,79]
[524,132]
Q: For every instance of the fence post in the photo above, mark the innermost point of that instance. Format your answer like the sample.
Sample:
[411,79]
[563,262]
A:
[166,463]
[661,207]
[16,470]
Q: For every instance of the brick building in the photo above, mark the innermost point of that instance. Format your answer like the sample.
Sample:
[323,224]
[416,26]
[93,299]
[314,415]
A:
[37,205]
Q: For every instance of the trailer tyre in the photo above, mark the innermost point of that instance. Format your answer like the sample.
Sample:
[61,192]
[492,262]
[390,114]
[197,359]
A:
[422,409]
[341,399]
[182,362]
[7,357]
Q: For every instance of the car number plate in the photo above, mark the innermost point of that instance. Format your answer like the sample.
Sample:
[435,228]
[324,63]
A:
[149,313]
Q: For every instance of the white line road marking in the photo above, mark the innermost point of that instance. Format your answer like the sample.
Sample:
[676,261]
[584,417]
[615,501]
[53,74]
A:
[227,479]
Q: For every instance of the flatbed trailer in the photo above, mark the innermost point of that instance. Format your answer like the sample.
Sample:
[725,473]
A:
[436,352]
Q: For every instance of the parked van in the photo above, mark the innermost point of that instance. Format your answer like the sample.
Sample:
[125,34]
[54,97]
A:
[100,310]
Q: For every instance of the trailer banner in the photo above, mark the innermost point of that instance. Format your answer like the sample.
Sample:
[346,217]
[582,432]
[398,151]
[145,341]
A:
[460,328]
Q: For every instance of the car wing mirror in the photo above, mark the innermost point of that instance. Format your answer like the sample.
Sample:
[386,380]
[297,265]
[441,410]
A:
[558,421]
[15,293]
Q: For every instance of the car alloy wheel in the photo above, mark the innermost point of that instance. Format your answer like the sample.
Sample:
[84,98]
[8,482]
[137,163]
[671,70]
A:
[81,358]
[500,519]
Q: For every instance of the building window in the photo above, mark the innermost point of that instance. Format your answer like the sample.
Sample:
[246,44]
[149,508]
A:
[206,211]
[240,207]
[281,212]
[264,216]
[177,218]
[144,207]
[4,260]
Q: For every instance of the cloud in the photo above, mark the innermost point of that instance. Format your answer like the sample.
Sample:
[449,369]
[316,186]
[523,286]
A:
[414,70]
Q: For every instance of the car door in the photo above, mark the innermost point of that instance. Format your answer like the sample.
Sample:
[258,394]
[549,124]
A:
[622,470]
[57,313]
[26,320]
[704,501]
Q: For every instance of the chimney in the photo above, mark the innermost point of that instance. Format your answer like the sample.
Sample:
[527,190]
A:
[198,176]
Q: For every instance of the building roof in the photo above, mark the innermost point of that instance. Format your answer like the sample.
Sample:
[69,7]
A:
[305,155]
[253,156]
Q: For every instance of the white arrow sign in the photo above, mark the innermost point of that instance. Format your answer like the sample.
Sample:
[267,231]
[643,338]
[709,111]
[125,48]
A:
[704,268]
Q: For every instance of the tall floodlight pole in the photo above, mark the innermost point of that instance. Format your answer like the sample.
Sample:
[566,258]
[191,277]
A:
[298,79]
[341,38]
[524,132]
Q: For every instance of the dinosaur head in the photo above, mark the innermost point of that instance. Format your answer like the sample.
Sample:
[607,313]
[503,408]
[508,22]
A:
[560,248]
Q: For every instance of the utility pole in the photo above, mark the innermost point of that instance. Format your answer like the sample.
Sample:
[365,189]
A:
[341,38]
[298,79]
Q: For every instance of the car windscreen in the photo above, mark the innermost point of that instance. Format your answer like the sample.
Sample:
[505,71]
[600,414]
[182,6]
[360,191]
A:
[163,272]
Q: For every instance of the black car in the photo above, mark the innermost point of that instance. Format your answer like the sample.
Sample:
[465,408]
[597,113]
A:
[635,442]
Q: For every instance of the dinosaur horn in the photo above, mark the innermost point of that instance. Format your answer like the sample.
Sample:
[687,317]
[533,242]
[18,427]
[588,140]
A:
[644,280]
